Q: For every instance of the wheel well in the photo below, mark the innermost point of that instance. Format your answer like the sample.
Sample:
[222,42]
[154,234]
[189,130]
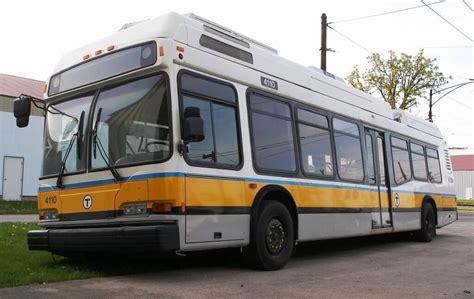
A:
[276,193]
[430,200]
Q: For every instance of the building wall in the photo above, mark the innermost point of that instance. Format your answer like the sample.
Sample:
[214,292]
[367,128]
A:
[22,142]
[463,181]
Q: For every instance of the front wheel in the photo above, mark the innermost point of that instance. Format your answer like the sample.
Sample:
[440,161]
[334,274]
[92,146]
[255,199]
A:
[274,237]
[428,224]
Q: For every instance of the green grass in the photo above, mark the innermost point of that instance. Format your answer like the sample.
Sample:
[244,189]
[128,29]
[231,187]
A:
[20,266]
[18,207]
[465,202]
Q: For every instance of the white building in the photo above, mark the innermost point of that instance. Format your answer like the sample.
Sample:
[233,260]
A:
[463,168]
[20,149]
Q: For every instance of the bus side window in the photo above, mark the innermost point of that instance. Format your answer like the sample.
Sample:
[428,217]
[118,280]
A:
[401,161]
[315,144]
[434,169]
[348,150]
[217,102]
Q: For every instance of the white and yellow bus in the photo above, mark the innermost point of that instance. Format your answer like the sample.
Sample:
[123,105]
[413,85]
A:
[177,134]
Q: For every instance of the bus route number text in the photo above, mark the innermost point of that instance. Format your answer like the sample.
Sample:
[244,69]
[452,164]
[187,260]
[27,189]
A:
[269,83]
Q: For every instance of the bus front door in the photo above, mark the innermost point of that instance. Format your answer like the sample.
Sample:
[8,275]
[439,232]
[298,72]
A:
[378,178]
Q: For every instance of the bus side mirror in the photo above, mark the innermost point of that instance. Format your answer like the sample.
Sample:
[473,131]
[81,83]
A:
[193,127]
[22,110]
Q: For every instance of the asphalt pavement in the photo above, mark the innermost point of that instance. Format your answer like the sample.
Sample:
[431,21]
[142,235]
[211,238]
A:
[391,266]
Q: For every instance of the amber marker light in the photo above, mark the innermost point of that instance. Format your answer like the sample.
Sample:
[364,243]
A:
[183,207]
[98,52]
[85,57]
[253,186]
[180,49]
[161,207]
[45,87]
[162,51]
[110,48]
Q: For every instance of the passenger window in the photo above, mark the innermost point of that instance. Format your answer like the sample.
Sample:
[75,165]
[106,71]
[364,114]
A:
[315,144]
[272,134]
[401,161]
[418,162]
[220,146]
[434,169]
[348,150]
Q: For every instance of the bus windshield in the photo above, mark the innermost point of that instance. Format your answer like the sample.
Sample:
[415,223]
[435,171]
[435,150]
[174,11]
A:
[131,122]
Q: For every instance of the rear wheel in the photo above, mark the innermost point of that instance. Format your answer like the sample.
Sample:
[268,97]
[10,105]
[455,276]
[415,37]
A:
[428,224]
[274,238]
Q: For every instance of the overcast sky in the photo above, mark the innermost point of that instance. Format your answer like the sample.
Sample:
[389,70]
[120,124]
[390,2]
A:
[35,34]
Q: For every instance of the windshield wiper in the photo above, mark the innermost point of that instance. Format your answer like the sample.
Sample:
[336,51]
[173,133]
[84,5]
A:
[75,136]
[98,145]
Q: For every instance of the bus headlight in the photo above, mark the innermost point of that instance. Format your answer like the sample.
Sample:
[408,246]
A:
[134,209]
[49,215]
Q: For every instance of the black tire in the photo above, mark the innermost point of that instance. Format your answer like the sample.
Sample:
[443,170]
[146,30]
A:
[274,238]
[428,224]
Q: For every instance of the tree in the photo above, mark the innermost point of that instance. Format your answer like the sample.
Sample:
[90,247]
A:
[401,81]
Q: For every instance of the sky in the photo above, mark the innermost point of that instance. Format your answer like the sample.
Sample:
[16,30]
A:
[35,34]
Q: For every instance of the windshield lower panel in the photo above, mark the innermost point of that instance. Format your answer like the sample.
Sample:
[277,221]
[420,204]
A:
[133,127]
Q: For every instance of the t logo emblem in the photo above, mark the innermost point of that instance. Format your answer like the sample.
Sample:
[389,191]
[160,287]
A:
[87,202]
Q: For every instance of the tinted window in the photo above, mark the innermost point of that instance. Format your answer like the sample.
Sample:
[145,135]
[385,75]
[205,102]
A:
[273,143]
[434,170]
[348,150]
[401,161]
[208,88]
[345,127]
[349,157]
[312,118]
[316,154]
[370,159]
[399,143]
[220,146]
[418,162]
[132,123]
[272,134]
[268,105]
[106,66]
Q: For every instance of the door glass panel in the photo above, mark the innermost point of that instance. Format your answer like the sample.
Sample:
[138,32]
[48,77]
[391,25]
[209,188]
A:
[370,159]
[381,161]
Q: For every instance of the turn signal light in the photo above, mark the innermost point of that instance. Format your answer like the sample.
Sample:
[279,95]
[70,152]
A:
[162,51]
[161,207]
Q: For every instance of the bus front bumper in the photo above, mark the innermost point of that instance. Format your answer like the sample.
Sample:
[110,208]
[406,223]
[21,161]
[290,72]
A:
[122,239]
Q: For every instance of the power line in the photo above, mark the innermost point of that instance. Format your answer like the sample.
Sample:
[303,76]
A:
[351,40]
[448,22]
[385,13]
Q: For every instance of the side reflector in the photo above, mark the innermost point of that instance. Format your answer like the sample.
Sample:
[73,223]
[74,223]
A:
[85,57]
[110,48]
[183,207]
[162,51]
[98,52]
[253,186]
[180,49]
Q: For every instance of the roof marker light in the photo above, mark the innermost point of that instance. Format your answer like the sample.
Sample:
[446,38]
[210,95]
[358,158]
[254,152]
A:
[85,57]
[110,48]
[98,52]
[162,51]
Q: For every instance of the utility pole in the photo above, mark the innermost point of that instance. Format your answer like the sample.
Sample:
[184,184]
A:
[324,26]
[430,113]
